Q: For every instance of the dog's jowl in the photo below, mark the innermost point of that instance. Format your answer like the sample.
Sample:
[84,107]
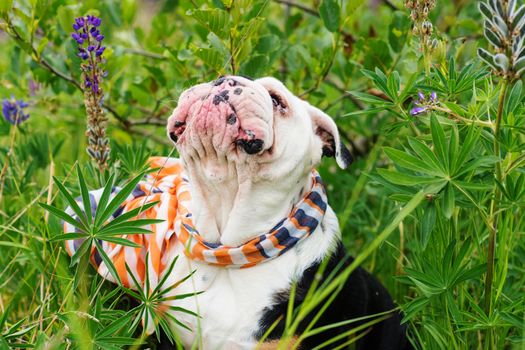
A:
[247,215]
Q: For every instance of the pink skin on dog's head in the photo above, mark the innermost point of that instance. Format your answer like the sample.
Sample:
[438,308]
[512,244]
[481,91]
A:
[226,116]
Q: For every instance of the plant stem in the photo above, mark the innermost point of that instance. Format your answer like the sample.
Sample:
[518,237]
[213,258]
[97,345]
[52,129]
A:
[494,203]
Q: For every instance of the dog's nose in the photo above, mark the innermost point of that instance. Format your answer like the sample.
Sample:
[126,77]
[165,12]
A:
[251,146]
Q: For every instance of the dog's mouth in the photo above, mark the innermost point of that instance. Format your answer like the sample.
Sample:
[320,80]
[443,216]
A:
[225,115]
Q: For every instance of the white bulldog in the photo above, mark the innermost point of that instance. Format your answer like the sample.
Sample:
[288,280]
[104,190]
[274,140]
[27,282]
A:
[249,149]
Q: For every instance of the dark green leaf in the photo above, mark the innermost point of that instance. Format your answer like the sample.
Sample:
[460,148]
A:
[330,13]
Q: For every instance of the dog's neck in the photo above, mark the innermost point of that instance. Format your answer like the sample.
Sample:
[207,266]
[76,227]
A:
[237,206]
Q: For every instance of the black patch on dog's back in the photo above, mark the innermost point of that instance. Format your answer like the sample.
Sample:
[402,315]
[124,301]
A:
[361,295]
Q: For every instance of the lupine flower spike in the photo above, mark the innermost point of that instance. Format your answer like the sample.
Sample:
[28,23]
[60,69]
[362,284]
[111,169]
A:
[13,111]
[423,104]
[90,50]
[505,31]
[419,11]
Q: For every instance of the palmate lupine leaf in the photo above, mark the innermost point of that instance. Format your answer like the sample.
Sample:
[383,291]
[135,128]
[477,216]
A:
[94,228]
[152,300]
[119,198]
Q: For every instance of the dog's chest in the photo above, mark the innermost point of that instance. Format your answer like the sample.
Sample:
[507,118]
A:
[233,300]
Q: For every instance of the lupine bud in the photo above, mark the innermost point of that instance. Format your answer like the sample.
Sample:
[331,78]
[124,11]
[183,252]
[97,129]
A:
[505,30]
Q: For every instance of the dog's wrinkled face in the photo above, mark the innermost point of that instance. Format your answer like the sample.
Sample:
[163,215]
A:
[236,120]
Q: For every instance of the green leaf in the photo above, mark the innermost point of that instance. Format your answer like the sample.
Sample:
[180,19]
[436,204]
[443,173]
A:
[127,216]
[352,6]
[124,230]
[212,57]
[453,149]
[5,5]
[427,223]
[426,154]
[468,145]
[408,161]
[131,223]
[448,201]
[86,201]
[330,13]
[394,86]
[215,20]
[71,202]
[406,179]
[109,264]
[513,98]
[181,309]
[255,66]
[368,98]
[398,30]
[64,216]
[68,236]
[83,249]
[104,198]
[120,197]
[438,138]
[119,240]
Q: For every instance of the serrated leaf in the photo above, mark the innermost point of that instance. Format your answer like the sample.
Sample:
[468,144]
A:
[215,20]
[211,57]
[255,66]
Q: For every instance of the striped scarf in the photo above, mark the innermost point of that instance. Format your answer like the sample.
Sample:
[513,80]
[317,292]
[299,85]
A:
[171,188]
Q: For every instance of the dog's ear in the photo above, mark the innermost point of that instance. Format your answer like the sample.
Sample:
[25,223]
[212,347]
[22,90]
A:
[326,129]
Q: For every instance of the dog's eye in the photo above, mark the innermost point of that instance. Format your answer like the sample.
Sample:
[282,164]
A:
[278,102]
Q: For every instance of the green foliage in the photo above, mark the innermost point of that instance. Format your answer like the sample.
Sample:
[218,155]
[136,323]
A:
[432,188]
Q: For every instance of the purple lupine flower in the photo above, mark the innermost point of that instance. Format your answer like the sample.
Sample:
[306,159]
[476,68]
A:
[100,51]
[89,39]
[418,110]
[13,111]
[423,103]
